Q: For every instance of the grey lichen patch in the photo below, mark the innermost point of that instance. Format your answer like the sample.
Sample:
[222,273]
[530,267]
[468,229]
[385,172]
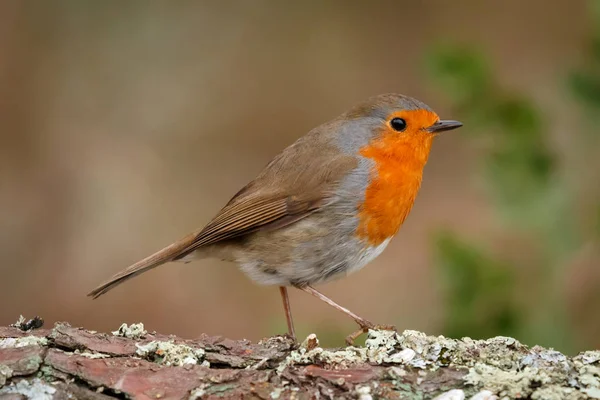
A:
[276,393]
[587,365]
[588,357]
[133,331]
[541,374]
[454,394]
[20,321]
[396,373]
[381,347]
[499,367]
[169,353]
[199,392]
[23,341]
[407,365]
[34,389]
[439,351]
[588,377]
[88,354]
[343,358]
[385,347]
[593,393]
[306,354]
[5,374]
[410,348]
[418,350]
[429,350]
[512,383]
[539,357]
[484,395]
[364,393]
[556,392]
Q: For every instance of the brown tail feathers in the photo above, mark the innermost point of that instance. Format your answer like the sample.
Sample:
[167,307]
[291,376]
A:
[169,253]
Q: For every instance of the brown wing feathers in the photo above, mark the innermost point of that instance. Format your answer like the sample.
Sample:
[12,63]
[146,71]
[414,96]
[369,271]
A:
[239,219]
[235,220]
[285,192]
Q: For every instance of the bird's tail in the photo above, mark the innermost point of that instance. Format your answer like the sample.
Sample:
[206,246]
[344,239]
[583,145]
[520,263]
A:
[169,253]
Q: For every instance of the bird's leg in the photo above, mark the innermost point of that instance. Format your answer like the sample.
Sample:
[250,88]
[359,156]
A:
[288,311]
[364,324]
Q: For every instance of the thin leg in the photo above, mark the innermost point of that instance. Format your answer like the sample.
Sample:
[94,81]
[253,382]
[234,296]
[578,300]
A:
[364,324]
[288,311]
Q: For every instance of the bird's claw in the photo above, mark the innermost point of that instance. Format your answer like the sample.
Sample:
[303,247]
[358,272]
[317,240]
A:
[364,328]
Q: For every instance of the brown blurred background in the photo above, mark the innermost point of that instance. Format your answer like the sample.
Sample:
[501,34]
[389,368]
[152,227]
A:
[125,125]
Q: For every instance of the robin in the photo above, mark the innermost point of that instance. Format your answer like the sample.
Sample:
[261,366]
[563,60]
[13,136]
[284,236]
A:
[324,207]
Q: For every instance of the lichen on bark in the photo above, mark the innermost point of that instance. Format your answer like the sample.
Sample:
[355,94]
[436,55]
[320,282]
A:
[68,362]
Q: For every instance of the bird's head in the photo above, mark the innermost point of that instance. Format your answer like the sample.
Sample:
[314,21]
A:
[392,122]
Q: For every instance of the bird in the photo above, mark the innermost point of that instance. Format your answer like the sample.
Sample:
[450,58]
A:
[323,208]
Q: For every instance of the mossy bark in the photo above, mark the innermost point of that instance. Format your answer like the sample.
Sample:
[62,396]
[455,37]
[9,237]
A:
[67,363]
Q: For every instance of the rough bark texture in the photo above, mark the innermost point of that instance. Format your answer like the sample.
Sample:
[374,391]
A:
[73,363]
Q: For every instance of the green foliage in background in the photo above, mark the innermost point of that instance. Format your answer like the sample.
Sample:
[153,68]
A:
[482,288]
[585,82]
[532,196]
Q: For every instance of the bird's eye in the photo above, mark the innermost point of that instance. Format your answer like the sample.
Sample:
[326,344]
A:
[398,124]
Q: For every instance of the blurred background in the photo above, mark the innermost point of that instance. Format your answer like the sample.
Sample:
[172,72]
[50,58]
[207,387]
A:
[125,125]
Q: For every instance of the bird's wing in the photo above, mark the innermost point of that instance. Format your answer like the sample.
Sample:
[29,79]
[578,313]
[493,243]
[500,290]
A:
[293,185]
[252,214]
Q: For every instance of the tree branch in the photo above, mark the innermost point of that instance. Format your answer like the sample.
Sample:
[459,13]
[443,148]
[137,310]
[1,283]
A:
[67,362]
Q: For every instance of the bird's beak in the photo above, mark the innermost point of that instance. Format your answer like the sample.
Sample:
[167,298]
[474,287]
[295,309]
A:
[443,125]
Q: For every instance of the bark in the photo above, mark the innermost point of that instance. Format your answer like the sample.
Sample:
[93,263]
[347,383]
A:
[74,363]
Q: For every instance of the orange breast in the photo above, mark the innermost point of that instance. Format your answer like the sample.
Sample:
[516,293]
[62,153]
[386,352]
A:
[395,181]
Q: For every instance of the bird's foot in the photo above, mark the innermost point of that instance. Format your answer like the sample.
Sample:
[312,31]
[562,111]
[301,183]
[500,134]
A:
[364,328]
[291,336]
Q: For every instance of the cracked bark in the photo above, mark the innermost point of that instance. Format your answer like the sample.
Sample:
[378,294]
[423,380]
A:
[67,362]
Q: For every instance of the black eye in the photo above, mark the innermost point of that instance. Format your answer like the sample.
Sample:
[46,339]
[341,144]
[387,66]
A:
[398,124]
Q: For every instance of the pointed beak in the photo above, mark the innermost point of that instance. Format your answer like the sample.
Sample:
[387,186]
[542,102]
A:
[444,125]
